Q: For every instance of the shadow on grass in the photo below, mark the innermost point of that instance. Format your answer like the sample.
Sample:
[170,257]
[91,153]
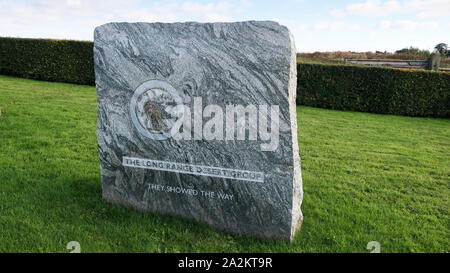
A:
[78,202]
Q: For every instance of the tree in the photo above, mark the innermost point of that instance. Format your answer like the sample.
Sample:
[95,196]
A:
[414,51]
[442,48]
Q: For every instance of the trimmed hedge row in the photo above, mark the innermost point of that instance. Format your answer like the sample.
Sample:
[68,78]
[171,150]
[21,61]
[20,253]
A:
[374,89]
[354,88]
[48,60]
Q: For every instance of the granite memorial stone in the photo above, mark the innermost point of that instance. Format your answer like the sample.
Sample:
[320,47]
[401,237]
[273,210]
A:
[199,120]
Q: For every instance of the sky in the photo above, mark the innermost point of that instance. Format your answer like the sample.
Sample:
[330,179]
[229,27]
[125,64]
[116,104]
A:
[317,25]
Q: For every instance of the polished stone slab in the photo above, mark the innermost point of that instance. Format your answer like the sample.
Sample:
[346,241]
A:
[199,120]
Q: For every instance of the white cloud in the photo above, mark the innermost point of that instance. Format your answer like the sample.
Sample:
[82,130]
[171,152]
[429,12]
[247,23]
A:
[430,8]
[378,8]
[215,17]
[195,7]
[369,8]
[329,26]
[73,3]
[407,25]
[76,19]
[354,27]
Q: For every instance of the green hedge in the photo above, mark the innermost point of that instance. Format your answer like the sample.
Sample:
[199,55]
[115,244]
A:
[374,89]
[49,60]
[354,88]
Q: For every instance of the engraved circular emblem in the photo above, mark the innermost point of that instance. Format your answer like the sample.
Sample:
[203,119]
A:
[156,110]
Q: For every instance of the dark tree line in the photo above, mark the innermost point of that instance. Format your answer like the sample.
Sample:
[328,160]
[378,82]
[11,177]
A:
[443,49]
[414,51]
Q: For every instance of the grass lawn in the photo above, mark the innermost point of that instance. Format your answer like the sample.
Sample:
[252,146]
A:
[366,177]
[318,60]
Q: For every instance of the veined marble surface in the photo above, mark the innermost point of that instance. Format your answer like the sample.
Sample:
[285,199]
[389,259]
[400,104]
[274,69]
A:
[165,65]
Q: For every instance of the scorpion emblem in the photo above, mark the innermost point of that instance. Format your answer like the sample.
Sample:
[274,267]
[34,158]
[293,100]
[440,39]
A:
[157,114]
